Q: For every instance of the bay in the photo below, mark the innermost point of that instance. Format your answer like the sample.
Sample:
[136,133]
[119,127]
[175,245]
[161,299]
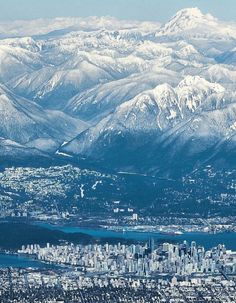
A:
[205,239]
[16,261]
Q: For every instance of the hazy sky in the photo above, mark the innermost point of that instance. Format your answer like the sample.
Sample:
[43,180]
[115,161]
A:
[155,10]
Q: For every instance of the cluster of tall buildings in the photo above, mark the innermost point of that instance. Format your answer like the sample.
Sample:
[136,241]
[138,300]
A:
[136,259]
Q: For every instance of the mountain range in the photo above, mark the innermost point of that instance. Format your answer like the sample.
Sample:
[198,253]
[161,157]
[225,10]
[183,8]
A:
[131,96]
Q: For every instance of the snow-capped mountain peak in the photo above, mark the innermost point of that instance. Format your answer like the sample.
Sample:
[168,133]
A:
[189,19]
[194,90]
[104,85]
[177,103]
[198,82]
[192,13]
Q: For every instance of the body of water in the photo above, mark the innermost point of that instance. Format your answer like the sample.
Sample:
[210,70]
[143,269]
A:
[10,260]
[205,239]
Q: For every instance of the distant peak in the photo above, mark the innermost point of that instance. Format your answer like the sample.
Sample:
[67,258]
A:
[193,11]
[186,19]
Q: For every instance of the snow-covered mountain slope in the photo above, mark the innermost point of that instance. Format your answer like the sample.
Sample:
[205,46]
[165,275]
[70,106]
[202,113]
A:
[8,146]
[24,122]
[129,94]
[223,74]
[66,64]
[98,102]
[13,153]
[191,22]
[194,111]
[15,61]
[52,86]
[158,109]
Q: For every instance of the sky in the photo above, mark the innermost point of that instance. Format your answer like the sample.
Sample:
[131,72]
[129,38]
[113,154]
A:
[150,10]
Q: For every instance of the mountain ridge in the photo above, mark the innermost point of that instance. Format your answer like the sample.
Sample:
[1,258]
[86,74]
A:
[130,95]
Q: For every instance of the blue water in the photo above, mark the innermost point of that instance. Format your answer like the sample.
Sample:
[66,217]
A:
[10,260]
[205,239]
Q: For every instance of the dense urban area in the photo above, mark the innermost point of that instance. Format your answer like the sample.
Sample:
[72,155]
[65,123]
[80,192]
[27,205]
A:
[184,272]
[80,268]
